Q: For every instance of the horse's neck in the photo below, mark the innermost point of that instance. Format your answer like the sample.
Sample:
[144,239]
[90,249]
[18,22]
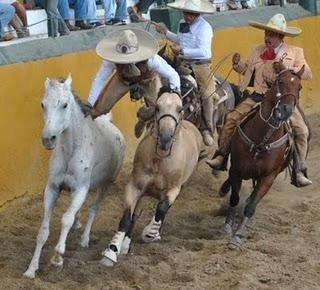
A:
[72,137]
[257,128]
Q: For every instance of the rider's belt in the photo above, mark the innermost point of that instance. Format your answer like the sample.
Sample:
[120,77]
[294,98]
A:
[198,61]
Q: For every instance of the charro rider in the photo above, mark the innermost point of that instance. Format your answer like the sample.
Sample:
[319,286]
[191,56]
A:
[258,70]
[132,53]
[192,44]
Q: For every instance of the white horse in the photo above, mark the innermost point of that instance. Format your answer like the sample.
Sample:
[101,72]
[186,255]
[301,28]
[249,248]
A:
[87,155]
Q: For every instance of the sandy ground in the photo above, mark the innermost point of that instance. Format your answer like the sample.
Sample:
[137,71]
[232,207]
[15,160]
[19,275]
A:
[281,250]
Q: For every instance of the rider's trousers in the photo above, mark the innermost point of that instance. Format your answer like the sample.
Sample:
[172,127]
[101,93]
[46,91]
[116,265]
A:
[206,83]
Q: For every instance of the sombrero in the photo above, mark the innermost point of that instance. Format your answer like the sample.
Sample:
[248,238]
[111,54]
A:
[124,46]
[194,6]
[277,23]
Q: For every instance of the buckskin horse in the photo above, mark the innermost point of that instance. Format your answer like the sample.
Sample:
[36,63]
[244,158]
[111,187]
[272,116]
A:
[260,147]
[164,160]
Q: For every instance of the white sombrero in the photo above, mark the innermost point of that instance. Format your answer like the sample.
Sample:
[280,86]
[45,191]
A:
[277,23]
[125,46]
[195,6]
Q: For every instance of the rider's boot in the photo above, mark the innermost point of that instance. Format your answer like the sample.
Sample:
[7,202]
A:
[220,158]
[207,112]
[301,143]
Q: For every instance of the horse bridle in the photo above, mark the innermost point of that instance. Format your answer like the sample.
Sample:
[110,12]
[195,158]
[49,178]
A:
[177,122]
[279,95]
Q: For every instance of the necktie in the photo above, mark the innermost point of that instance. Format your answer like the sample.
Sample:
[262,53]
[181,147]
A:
[268,54]
[184,27]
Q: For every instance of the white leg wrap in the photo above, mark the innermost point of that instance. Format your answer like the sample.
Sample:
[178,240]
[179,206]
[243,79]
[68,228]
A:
[151,231]
[125,246]
[117,242]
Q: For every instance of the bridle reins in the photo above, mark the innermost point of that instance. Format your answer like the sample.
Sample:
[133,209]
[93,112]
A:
[264,146]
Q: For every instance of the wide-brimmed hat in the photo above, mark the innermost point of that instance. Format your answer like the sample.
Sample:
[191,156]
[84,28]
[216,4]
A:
[195,6]
[277,23]
[125,46]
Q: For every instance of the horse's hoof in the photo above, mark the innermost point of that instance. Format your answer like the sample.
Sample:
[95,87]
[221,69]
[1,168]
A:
[57,260]
[125,246]
[149,239]
[106,262]
[234,243]
[227,228]
[30,274]
[111,255]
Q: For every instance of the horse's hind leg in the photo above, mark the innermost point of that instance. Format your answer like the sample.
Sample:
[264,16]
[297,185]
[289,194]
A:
[151,232]
[78,198]
[94,207]
[262,187]
[235,182]
[50,198]
[121,240]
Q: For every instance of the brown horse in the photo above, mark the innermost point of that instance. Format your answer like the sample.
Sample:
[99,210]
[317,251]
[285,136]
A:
[164,160]
[260,147]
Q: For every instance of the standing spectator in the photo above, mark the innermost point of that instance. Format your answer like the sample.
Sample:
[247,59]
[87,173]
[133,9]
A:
[6,15]
[115,12]
[64,10]
[135,11]
[81,13]
[92,14]
[55,22]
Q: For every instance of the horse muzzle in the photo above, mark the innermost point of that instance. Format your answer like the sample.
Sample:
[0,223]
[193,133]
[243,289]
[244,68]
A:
[49,142]
[284,112]
[165,141]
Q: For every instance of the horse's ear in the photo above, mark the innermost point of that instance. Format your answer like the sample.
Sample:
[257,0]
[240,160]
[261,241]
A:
[46,83]
[68,81]
[301,71]
[278,66]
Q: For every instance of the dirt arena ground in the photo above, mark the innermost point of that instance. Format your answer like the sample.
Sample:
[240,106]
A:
[281,250]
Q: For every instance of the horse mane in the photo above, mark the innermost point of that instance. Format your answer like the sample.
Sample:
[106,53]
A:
[167,89]
[85,107]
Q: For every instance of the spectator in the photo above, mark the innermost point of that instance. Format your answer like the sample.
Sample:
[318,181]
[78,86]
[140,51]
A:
[92,14]
[135,11]
[64,10]
[81,13]
[55,22]
[6,15]
[115,12]
[21,15]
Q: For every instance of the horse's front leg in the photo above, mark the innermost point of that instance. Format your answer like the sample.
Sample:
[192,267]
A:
[151,232]
[50,197]
[78,197]
[94,207]
[262,187]
[120,242]
[235,182]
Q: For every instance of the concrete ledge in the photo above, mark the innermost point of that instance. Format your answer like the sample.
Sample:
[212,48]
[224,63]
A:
[36,49]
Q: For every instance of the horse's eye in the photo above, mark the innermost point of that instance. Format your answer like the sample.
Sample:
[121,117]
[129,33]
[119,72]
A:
[42,106]
[65,106]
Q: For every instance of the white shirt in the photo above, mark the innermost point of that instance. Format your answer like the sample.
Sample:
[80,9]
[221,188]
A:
[155,63]
[195,44]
